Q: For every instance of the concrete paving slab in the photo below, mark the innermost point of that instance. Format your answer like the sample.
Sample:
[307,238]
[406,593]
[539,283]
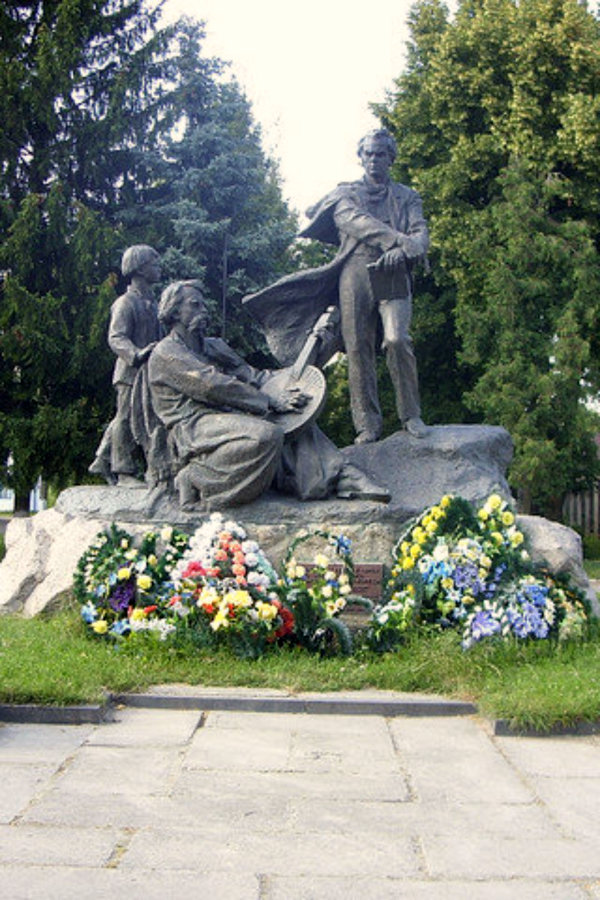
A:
[289,785]
[478,857]
[49,846]
[332,854]
[31,743]
[20,784]
[261,750]
[147,728]
[574,803]
[125,769]
[416,818]
[45,883]
[553,757]
[454,760]
[378,888]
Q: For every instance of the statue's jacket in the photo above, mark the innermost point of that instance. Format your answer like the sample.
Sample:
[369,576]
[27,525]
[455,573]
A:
[133,325]
[288,309]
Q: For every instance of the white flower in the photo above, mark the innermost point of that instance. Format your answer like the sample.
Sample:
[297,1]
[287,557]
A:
[440,552]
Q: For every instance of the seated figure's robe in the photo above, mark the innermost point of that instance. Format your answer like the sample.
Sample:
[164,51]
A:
[215,414]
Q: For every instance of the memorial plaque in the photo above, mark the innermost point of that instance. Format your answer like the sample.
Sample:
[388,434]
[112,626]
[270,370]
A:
[368,578]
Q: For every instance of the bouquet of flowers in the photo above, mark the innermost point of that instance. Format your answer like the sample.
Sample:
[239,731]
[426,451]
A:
[455,567]
[224,590]
[316,595]
[122,586]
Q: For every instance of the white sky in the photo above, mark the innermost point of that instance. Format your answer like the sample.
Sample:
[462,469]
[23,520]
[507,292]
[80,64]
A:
[310,69]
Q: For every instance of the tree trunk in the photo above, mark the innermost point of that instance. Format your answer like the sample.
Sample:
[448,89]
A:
[21,503]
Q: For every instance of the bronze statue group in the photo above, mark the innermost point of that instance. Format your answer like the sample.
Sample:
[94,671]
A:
[221,432]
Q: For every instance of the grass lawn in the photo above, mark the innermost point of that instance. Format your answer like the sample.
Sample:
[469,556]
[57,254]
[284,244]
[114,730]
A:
[51,659]
[592,568]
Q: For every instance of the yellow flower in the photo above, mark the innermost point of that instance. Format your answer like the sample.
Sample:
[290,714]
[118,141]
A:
[124,573]
[408,562]
[321,560]
[166,533]
[485,561]
[431,527]
[507,518]
[152,560]
[494,502]
[138,614]
[419,535]
[124,543]
[410,589]
[516,538]
[144,582]
[446,500]
[447,584]
[415,551]
[483,514]
[240,599]
[426,520]
[300,571]
[404,548]
[345,589]
[343,579]
[220,621]
[436,512]
[266,611]
[100,626]
[497,537]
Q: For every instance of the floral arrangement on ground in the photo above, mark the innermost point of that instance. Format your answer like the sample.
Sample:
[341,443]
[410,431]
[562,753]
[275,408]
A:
[456,567]
[453,567]
[215,587]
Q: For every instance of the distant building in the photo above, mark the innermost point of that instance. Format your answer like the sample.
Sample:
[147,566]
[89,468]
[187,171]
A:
[36,500]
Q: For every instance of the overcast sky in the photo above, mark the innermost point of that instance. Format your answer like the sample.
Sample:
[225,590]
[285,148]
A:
[310,69]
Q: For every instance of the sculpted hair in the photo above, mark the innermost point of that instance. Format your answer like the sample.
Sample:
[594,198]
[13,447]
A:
[382,135]
[135,257]
[171,298]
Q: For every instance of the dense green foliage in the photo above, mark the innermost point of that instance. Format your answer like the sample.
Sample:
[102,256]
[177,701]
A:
[115,131]
[496,118]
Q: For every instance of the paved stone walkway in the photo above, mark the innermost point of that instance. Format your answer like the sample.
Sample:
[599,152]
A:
[265,806]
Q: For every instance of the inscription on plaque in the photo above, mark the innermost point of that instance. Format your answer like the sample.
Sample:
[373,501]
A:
[368,578]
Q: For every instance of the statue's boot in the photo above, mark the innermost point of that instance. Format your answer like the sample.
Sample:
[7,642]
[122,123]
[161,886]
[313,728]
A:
[356,485]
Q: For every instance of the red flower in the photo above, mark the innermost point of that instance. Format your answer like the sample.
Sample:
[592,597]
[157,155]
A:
[149,609]
[174,599]
[287,620]
[194,569]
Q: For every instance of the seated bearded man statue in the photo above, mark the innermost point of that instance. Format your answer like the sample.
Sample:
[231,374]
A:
[227,450]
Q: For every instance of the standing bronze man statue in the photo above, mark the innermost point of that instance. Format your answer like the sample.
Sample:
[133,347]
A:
[133,333]
[379,227]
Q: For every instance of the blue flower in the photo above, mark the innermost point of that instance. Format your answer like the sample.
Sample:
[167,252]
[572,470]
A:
[121,627]
[527,621]
[466,577]
[484,625]
[537,593]
[89,613]
[343,545]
